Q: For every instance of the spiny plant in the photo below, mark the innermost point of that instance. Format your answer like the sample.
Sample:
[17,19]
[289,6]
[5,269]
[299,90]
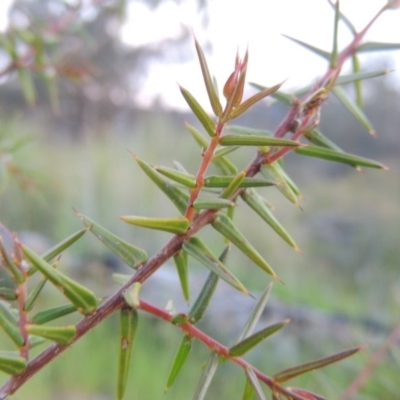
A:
[206,198]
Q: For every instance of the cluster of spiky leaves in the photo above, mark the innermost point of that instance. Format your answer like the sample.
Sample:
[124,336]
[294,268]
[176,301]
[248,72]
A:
[201,199]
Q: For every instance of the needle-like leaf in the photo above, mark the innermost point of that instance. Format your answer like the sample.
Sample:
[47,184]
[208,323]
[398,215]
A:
[316,50]
[354,109]
[337,156]
[255,140]
[199,250]
[252,379]
[177,196]
[334,54]
[58,334]
[12,363]
[128,327]
[9,324]
[377,46]
[177,225]
[180,259]
[290,373]
[225,226]
[206,377]
[52,313]
[200,113]
[242,108]
[274,172]
[254,316]
[254,201]
[179,361]
[220,181]
[252,341]
[212,93]
[178,176]
[131,255]
[82,298]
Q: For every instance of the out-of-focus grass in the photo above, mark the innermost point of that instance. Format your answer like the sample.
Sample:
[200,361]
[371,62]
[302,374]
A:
[347,231]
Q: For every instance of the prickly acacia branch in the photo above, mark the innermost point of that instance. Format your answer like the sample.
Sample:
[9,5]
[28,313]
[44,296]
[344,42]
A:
[297,120]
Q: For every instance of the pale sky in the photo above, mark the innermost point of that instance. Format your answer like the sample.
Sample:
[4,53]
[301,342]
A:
[258,24]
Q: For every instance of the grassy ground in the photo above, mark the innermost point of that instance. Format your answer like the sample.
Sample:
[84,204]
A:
[347,231]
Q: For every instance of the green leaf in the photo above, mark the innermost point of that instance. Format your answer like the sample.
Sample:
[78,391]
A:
[200,113]
[255,202]
[181,264]
[274,172]
[357,84]
[12,363]
[206,377]
[52,313]
[377,46]
[177,225]
[284,98]
[197,136]
[242,130]
[333,155]
[83,298]
[179,361]
[178,176]
[290,373]
[131,255]
[316,50]
[199,250]
[346,21]
[235,184]
[225,226]
[252,379]
[242,108]
[254,316]
[212,203]
[248,393]
[10,265]
[177,196]
[128,327]
[247,344]
[221,181]
[334,54]
[225,166]
[223,151]
[318,138]
[359,76]
[63,245]
[9,324]
[255,140]
[7,294]
[58,334]
[34,294]
[199,307]
[354,109]
[212,93]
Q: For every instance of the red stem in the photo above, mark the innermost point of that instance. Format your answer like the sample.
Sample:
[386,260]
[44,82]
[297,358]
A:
[190,330]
